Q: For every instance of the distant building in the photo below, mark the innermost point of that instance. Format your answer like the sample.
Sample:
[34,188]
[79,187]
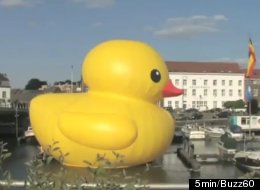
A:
[44,86]
[67,86]
[255,85]
[5,91]
[206,85]
[22,98]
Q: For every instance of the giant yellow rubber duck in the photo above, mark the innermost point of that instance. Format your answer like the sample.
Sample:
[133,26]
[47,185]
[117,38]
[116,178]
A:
[119,115]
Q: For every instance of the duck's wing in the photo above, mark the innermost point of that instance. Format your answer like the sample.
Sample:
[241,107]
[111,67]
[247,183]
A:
[102,131]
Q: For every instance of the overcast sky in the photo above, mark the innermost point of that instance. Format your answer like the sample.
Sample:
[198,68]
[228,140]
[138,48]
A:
[44,38]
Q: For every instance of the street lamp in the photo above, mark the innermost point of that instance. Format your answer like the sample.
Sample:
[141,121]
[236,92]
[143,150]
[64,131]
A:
[16,121]
[71,84]
[184,78]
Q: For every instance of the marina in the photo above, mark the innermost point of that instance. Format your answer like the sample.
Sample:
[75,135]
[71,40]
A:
[166,94]
[202,157]
[198,148]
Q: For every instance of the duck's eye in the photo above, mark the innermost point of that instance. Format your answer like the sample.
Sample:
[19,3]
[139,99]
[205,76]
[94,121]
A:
[155,75]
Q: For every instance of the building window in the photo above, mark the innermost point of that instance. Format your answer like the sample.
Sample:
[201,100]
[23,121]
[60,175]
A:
[184,82]
[184,92]
[176,104]
[177,82]
[199,104]
[205,82]
[215,104]
[245,121]
[193,104]
[214,82]
[230,93]
[194,82]
[223,92]
[239,92]
[205,103]
[193,92]
[240,83]
[169,103]
[255,92]
[230,82]
[4,94]
[205,92]
[215,92]
[223,82]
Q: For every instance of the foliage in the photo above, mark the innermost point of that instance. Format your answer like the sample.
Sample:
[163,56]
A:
[170,109]
[4,154]
[106,179]
[40,178]
[234,104]
[34,84]
[254,106]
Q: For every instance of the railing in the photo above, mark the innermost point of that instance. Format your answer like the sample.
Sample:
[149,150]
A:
[21,184]
[219,122]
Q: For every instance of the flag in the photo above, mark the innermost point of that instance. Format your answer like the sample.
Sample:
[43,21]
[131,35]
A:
[251,60]
[248,94]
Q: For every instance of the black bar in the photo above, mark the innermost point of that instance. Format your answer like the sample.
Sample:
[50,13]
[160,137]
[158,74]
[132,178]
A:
[224,184]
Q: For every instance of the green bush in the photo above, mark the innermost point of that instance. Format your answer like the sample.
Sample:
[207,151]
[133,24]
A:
[101,178]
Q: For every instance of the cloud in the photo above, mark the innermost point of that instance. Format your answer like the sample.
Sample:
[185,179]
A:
[96,3]
[188,27]
[16,3]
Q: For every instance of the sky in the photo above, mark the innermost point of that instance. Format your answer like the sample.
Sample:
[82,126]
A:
[48,39]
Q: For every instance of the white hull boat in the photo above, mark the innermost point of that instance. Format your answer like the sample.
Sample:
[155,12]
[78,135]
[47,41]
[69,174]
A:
[214,132]
[193,132]
[249,160]
[29,133]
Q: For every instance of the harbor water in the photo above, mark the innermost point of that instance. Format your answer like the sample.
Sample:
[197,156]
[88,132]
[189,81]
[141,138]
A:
[167,170]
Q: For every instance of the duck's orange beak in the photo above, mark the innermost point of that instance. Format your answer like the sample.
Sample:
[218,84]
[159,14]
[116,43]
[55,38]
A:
[170,90]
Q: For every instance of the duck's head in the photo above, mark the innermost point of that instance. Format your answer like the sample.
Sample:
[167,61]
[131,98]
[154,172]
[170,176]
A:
[129,68]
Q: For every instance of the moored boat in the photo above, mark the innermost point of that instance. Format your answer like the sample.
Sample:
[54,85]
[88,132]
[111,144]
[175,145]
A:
[214,132]
[194,131]
[249,160]
[29,132]
[227,147]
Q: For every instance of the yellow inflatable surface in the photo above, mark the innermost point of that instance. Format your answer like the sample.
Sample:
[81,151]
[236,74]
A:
[118,115]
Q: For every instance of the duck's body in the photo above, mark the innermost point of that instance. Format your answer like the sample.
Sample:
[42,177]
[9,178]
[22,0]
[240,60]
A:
[134,125]
[106,120]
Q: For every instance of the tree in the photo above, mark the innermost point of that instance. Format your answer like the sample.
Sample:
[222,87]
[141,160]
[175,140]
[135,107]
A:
[234,104]
[254,106]
[34,84]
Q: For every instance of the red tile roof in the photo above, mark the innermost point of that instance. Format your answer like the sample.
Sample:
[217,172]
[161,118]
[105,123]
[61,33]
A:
[256,73]
[203,67]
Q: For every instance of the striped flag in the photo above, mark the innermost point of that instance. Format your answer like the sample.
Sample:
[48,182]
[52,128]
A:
[251,60]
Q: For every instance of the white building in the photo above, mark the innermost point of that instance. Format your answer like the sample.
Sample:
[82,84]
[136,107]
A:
[206,85]
[5,91]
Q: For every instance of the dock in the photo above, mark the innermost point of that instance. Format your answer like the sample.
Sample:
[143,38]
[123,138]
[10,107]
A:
[214,157]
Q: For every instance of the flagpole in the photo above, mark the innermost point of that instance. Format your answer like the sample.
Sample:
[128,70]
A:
[249,111]
[249,75]
[249,100]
